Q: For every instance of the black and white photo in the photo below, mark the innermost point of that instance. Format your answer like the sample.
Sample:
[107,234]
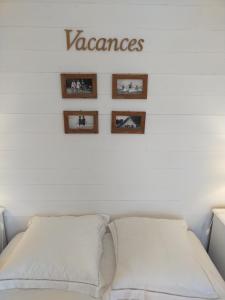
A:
[79,85]
[128,122]
[81,121]
[129,86]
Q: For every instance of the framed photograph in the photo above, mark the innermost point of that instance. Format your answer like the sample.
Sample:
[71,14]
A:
[128,122]
[129,86]
[79,85]
[80,121]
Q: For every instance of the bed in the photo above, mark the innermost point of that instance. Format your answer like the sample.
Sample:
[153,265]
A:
[107,267]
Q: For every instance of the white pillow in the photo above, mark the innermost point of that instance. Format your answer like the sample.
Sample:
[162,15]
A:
[154,256]
[58,252]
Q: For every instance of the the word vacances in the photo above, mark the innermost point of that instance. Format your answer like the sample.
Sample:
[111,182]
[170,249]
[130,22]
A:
[76,40]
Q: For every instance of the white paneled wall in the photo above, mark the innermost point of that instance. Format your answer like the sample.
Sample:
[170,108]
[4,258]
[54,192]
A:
[176,168]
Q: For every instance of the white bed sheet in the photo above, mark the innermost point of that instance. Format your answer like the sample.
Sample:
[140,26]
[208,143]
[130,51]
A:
[107,267]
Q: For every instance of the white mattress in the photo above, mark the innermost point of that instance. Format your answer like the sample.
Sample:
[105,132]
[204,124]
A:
[107,268]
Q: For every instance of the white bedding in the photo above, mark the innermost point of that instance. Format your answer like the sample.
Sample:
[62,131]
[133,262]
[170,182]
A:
[58,252]
[107,267]
[154,254]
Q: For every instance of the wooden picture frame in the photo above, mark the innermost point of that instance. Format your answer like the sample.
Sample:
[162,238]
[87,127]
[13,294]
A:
[128,122]
[79,85]
[80,121]
[129,86]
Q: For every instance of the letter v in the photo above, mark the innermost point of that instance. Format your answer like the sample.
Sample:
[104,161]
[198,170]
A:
[68,43]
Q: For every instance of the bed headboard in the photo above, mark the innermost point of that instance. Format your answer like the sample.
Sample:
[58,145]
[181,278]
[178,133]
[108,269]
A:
[175,168]
[15,224]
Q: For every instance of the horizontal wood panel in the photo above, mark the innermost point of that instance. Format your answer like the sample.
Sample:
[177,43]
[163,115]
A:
[207,161]
[155,124]
[170,189]
[54,39]
[95,174]
[130,2]
[63,15]
[113,142]
[84,207]
[158,85]
[54,104]
[90,177]
[192,64]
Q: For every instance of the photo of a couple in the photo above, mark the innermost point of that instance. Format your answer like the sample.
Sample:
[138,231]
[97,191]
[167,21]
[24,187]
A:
[81,121]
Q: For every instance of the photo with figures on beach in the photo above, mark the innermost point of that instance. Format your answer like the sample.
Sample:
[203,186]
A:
[125,86]
[81,122]
[79,85]
[129,86]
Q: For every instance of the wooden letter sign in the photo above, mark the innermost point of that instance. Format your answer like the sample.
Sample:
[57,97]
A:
[76,39]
